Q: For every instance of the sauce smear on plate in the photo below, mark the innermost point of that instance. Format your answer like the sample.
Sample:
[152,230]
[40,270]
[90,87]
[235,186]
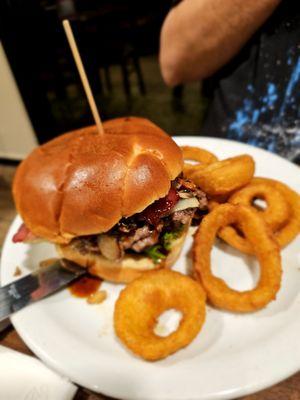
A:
[85,286]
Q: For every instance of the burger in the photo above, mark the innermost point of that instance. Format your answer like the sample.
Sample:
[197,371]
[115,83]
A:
[116,204]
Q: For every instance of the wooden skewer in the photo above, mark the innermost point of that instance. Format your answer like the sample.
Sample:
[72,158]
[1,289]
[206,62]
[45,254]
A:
[84,79]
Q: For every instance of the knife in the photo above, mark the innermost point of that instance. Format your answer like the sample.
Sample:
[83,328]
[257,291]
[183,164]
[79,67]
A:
[37,285]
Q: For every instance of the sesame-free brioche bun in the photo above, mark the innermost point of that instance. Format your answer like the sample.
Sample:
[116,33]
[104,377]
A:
[83,183]
[128,268]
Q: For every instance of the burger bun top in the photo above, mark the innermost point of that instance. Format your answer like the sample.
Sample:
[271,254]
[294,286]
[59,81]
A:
[83,183]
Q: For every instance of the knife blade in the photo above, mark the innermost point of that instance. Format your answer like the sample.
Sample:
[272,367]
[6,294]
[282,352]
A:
[37,285]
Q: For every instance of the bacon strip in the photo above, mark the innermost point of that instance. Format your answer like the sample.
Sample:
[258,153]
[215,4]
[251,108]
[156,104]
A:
[23,235]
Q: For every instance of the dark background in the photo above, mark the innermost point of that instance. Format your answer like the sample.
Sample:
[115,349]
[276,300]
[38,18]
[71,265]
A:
[118,41]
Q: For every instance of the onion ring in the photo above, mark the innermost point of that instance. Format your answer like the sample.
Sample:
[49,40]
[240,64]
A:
[232,237]
[197,154]
[214,201]
[289,231]
[143,300]
[283,235]
[277,211]
[223,177]
[204,157]
[265,248]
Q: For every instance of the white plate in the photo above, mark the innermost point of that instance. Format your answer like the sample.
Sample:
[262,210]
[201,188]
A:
[232,356]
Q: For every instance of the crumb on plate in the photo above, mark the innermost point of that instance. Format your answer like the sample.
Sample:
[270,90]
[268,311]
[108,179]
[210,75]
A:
[18,271]
[97,298]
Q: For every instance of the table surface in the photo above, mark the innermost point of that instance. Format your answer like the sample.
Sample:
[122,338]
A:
[286,390]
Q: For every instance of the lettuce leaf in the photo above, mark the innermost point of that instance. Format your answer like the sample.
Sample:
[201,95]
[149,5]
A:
[157,252]
[154,252]
[169,237]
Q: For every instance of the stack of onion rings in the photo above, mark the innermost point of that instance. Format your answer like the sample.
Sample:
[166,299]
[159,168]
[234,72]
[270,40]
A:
[264,247]
[145,299]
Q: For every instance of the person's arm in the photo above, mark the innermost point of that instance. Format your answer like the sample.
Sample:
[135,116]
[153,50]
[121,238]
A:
[200,36]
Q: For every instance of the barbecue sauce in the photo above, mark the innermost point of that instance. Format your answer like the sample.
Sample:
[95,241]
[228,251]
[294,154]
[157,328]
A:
[85,286]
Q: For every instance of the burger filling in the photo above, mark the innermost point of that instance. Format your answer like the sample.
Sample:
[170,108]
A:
[151,232]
